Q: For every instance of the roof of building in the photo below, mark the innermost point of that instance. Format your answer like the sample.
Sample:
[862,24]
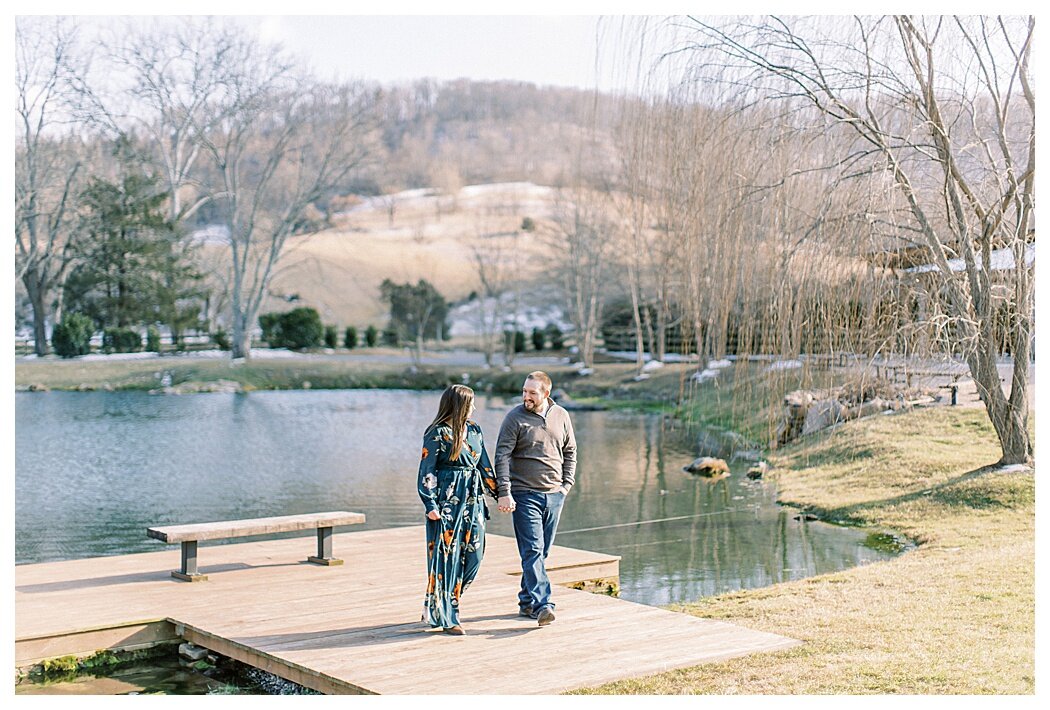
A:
[1001,260]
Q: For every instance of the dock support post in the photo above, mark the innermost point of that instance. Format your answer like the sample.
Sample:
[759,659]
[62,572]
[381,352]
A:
[324,549]
[188,571]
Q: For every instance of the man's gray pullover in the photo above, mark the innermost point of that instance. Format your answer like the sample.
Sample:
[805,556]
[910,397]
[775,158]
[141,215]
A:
[534,452]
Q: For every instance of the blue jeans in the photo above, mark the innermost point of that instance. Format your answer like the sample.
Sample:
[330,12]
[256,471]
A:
[535,523]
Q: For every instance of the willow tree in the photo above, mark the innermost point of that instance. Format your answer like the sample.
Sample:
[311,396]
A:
[582,242]
[944,108]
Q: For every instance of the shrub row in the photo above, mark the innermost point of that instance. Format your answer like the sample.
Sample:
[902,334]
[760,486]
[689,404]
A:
[72,337]
[302,328]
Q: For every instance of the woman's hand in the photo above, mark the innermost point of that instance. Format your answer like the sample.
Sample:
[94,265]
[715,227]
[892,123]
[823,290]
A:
[434,515]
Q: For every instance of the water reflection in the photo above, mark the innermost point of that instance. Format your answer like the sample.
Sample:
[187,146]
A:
[94,469]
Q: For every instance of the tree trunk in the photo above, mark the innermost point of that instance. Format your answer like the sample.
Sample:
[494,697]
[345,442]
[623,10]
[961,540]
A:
[1009,417]
[240,343]
[241,338]
[650,338]
[508,346]
[661,337]
[417,352]
[1014,438]
[660,351]
[37,298]
[636,315]
[59,305]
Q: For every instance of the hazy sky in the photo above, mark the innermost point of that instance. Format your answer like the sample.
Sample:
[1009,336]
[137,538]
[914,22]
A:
[439,40]
[543,50]
[543,42]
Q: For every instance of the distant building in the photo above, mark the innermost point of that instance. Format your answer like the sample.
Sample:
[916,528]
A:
[923,280]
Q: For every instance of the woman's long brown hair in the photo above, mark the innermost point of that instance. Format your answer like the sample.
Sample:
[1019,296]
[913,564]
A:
[453,409]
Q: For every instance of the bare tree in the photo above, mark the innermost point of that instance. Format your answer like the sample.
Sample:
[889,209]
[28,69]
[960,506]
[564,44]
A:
[48,159]
[446,177]
[492,274]
[283,143]
[944,107]
[582,245]
[635,212]
[176,74]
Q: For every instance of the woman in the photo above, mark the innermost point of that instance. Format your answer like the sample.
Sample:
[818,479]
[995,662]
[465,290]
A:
[454,475]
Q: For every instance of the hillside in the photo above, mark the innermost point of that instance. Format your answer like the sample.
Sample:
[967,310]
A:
[427,235]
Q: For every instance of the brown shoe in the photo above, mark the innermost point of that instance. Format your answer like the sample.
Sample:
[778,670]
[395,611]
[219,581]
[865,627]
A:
[545,616]
[456,630]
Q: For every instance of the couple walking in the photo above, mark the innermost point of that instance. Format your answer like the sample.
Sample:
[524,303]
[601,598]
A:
[535,469]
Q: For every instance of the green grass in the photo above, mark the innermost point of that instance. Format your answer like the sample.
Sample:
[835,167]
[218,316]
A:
[268,374]
[749,399]
[954,615]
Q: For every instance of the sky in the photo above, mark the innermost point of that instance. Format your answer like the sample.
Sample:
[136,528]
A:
[464,41]
[543,42]
[545,50]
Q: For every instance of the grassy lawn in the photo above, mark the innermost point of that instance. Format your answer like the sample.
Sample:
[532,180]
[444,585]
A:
[612,382]
[260,374]
[955,615]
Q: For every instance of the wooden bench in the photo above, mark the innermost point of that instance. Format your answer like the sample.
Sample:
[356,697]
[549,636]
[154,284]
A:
[825,361]
[189,535]
[954,387]
[955,375]
[888,369]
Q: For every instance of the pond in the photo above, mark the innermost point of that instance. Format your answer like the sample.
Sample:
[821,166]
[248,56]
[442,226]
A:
[95,469]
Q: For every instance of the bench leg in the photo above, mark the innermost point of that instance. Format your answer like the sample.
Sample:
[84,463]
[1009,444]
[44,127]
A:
[189,573]
[324,549]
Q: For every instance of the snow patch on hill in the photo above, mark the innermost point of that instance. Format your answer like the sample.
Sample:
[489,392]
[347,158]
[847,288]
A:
[466,318]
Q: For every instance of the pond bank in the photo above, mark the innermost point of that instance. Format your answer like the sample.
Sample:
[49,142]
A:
[611,382]
[159,670]
[955,615]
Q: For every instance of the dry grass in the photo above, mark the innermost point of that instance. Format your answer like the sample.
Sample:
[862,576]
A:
[955,615]
[262,374]
[612,383]
[338,271]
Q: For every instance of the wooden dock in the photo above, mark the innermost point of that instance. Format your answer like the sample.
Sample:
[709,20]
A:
[355,628]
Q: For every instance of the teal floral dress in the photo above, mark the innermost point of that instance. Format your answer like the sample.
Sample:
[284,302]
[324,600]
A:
[455,542]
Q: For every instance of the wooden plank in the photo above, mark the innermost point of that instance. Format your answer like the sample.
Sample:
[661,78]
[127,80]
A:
[290,671]
[252,526]
[593,639]
[129,637]
[73,595]
[356,628]
[582,626]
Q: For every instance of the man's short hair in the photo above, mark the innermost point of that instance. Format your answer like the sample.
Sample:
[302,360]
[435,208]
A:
[542,377]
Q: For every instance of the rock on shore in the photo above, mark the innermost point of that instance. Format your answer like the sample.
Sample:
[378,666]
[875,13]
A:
[223,386]
[708,466]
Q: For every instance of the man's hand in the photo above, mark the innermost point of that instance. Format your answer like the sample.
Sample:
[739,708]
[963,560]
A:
[434,515]
[505,504]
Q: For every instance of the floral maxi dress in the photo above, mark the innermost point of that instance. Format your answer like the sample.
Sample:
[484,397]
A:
[455,542]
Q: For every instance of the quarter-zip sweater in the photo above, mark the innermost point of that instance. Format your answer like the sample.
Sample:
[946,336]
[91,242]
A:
[534,452]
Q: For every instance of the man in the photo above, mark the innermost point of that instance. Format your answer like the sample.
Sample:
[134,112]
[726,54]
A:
[535,470]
